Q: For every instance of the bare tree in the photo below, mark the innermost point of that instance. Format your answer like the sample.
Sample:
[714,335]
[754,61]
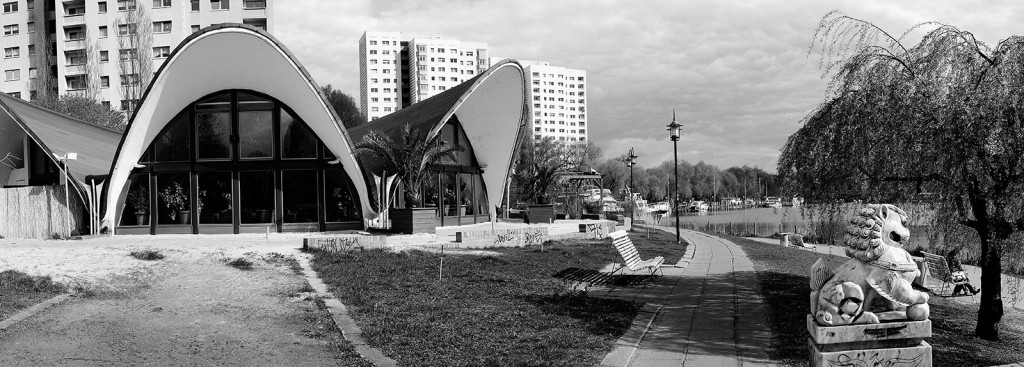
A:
[135,54]
[93,69]
[45,82]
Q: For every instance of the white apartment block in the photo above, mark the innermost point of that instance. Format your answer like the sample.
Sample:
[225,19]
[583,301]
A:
[399,69]
[73,25]
[559,101]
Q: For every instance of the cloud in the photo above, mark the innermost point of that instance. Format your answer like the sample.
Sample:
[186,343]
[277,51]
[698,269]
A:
[737,73]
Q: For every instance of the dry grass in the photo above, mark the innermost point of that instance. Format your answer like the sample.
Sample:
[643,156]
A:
[503,310]
[19,291]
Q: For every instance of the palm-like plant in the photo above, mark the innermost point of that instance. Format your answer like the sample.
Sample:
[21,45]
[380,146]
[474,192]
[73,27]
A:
[409,157]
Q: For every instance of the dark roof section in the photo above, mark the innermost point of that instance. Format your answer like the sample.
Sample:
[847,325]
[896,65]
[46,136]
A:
[423,115]
[60,134]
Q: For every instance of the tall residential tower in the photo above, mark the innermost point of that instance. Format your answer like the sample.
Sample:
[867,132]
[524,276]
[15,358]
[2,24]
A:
[559,99]
[399,69]
[83,39]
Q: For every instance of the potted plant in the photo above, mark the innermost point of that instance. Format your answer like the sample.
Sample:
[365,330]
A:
[176,199]
[139,200]
[408,156]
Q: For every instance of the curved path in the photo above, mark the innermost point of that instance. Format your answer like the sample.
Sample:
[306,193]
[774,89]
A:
[711,312]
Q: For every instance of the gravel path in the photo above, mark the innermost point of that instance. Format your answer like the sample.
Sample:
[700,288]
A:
[188,309]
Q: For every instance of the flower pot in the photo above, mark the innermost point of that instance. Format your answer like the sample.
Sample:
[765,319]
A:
[140,219]
[183,216]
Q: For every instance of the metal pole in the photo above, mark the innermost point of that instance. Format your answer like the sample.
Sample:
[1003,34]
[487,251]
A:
[67,196]
[675,167]
[630,191]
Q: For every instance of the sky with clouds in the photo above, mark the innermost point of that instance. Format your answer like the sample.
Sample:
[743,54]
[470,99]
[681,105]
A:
[737,73]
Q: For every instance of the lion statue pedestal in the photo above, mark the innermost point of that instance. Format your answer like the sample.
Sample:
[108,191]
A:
[843,331]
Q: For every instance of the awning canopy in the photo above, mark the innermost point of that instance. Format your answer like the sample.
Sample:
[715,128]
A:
[58,134]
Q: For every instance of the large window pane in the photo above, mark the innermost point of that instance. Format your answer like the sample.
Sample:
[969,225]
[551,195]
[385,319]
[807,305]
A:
[467,198]
[257,196]
[173,204]
[342,202]
[214,204]
[173,143]
[136,203]
[297,141]
[299,196]
[213,135]
[256,134]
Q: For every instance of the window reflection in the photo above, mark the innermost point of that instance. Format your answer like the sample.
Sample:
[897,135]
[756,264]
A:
[256,134]
[173,143]
[299,190]
[256,196]
[297,141]
[340,197]
[214,194]
[136,203]
[213,135]
[173,205]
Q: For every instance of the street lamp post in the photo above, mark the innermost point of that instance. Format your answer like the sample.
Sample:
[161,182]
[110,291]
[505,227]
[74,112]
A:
[673,130]
[630,161]
[67,197]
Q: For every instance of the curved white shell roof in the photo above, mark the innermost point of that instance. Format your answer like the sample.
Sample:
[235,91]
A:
[221,58]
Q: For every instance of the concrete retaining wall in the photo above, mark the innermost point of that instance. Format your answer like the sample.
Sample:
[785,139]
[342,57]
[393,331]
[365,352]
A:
[345,243]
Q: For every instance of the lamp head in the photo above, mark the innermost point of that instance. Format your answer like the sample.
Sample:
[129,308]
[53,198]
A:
[673,127]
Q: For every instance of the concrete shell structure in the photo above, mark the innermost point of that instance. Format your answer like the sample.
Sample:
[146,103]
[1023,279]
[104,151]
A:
[227,57]
[490,109]
[234,61]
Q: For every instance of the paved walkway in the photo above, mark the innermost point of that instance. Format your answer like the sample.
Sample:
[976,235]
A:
[711,311]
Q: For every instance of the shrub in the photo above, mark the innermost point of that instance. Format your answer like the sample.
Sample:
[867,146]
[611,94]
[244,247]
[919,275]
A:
[240,263]
[147,255]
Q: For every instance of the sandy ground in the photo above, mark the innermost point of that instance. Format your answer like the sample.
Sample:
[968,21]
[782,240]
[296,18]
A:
[187,309]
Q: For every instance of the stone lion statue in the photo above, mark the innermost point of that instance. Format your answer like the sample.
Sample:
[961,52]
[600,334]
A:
[878,266]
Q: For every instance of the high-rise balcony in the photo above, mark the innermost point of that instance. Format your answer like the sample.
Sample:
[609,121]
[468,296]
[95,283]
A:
[77,19]
[74,69]
[74,44]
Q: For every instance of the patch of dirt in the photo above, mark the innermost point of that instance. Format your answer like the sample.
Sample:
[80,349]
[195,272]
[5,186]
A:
[188,309]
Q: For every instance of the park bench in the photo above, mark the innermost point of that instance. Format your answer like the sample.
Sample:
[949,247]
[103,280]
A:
[586,278]
[631,257]
[938,268]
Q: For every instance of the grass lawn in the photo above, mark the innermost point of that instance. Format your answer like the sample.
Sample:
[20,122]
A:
[19,291]
[782,273]
[488,310]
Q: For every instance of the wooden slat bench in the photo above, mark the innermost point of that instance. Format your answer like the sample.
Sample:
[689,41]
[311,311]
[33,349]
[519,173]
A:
[938,268]
[631,257]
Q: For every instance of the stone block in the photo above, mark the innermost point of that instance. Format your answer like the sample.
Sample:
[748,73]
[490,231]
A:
[597,230]
[519,237]
[919,355]
[868,332]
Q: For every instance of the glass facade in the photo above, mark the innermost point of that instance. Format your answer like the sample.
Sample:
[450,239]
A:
[236,162]
[456,188]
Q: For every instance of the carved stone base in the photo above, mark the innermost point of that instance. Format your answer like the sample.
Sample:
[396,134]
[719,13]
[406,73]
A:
[895,343]
[916,356]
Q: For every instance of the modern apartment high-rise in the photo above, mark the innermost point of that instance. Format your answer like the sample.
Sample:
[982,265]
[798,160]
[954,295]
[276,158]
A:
[83,39]
[399,69]
[559,101]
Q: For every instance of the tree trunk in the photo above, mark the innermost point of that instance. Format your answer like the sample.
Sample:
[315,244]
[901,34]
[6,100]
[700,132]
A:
[990,312]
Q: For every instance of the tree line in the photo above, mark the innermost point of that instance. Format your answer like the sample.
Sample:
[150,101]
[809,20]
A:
[539,164]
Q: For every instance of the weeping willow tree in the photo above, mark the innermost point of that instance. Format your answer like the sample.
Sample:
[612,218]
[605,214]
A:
[939,121]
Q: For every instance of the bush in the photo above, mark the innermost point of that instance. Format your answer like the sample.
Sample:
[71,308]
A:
[240,263]
[147,255]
